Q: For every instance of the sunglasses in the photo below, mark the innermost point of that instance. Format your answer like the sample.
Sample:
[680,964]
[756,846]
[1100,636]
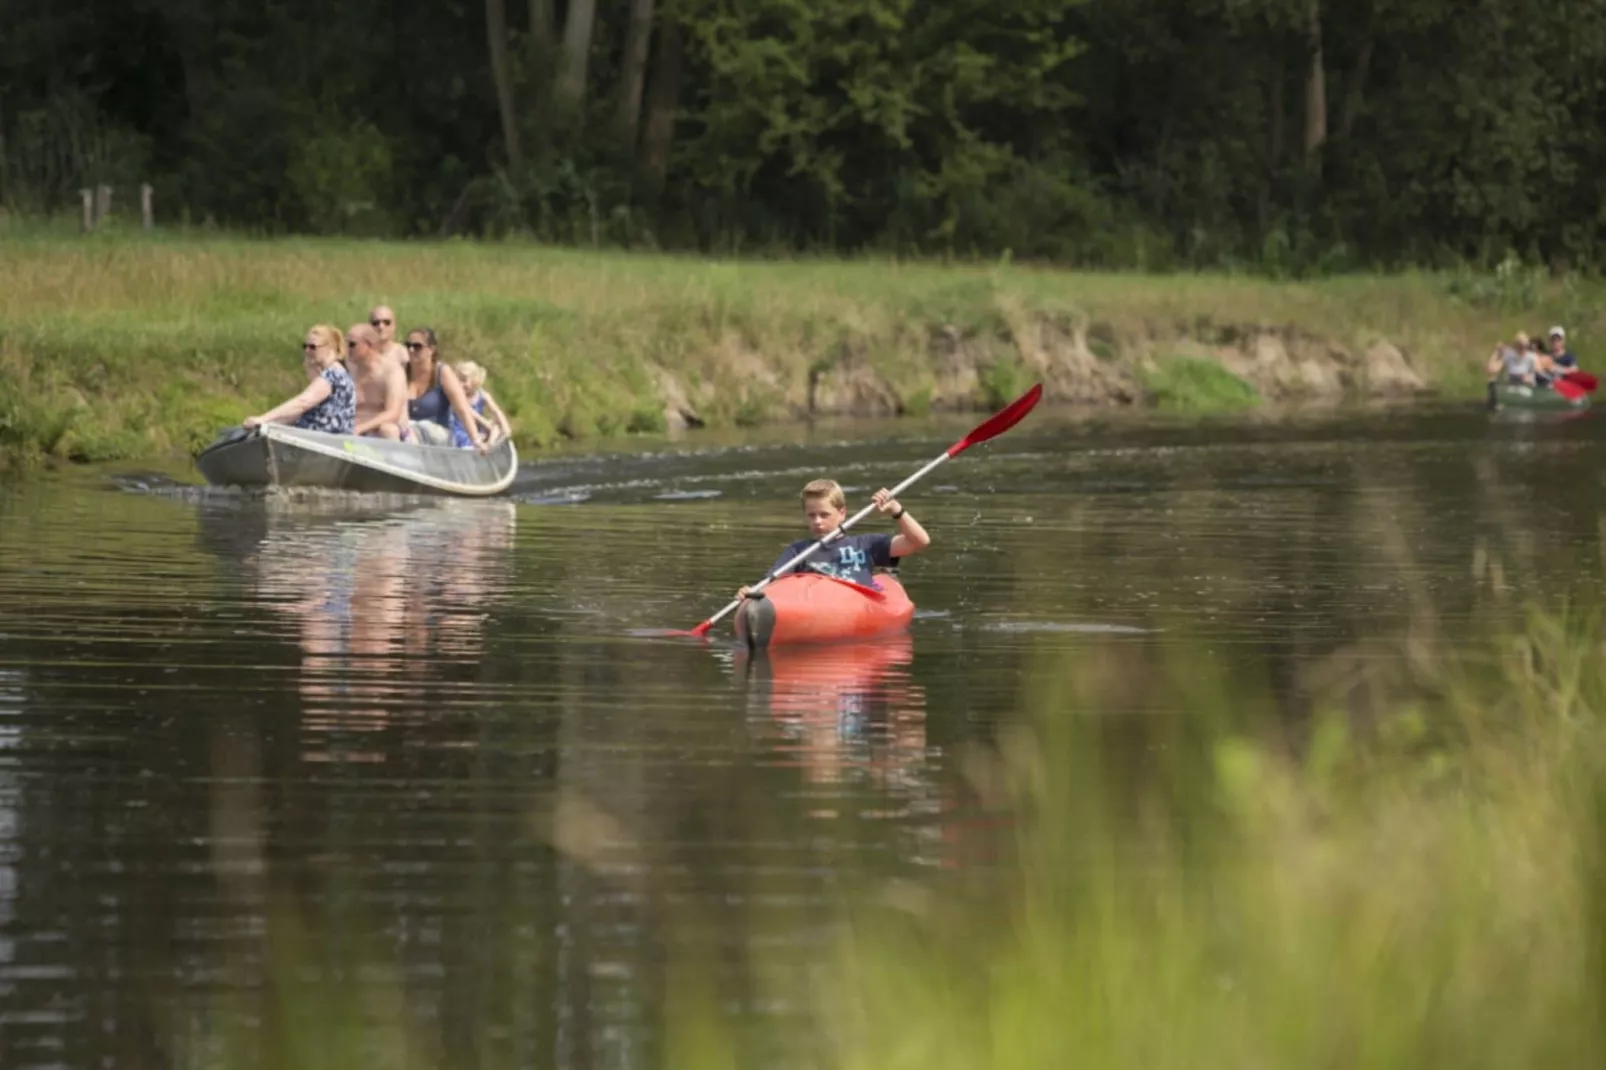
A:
[309,345]
[414,347]
[380,323]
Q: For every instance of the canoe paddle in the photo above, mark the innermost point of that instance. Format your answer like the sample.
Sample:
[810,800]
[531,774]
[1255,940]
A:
[992,427]
[1583,379]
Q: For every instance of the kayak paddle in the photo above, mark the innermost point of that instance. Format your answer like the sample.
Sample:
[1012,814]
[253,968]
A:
[1568,389]
[992,427]
[1583,379]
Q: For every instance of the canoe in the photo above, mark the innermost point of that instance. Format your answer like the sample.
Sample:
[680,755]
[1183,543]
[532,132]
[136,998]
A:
[277,455]
[1516,396]
[811,608]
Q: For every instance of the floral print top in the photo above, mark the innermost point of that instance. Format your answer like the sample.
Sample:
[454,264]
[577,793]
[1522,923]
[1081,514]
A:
[337,413]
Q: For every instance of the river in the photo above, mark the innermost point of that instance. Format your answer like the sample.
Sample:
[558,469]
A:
[434,758]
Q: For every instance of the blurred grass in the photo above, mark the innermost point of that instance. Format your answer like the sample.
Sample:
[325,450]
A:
[124,344]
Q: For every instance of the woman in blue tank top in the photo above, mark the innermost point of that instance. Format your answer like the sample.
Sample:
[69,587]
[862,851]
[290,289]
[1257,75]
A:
[434,392]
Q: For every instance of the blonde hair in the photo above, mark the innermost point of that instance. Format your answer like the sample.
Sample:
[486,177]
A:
[472,374]
[329,337]
[828,489]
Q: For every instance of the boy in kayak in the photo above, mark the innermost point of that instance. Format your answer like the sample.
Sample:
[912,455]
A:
[851,557]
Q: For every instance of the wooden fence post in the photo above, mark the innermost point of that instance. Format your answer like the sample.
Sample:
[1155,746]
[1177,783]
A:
[147,218]
[89,209]
[103,203]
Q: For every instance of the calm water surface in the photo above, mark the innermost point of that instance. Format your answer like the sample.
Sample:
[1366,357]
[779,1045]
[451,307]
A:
[281,759]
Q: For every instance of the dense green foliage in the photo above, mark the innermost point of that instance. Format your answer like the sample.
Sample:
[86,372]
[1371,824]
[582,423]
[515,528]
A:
[1291,134]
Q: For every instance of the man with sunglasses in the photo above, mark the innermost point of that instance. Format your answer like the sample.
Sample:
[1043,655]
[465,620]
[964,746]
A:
[381,386]
[383,320]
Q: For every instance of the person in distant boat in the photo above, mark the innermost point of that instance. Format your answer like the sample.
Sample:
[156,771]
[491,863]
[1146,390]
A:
[1561,358]
[329,403]
[851,557]
[1514,363]
[435,394]
[383,319]
[381,387]
[496,427]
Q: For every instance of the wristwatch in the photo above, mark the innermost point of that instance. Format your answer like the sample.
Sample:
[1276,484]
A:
[899,514]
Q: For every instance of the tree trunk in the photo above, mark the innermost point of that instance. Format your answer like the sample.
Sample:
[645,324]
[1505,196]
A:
[633,75]
[540,27]
[1315,87]
[571,84]
[539,54]
[663,100]
[1357,84]
[502,75]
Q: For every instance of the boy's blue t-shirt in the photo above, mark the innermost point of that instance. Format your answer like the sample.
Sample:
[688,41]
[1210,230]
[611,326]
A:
[848,558]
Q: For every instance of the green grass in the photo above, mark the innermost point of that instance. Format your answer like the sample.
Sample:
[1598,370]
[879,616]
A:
[1190,384]
[131,345]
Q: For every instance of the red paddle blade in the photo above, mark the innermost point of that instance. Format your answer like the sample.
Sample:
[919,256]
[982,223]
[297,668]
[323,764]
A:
[1583,379]
[1569,390]
[696,633]
[1000,421]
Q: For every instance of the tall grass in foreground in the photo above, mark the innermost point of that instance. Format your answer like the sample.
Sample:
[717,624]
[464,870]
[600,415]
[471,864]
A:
[1426,893]
[1415,879]
[127,345]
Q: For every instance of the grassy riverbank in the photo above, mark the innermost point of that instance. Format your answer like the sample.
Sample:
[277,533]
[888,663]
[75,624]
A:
[127,345]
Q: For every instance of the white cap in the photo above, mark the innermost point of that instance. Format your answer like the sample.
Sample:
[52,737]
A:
[1558,332]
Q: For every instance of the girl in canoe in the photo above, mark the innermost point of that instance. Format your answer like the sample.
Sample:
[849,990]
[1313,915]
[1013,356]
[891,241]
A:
[851,557]
[496,426]
[329,403]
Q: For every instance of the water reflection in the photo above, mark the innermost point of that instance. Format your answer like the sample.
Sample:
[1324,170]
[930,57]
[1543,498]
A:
[845,715]
[379,605]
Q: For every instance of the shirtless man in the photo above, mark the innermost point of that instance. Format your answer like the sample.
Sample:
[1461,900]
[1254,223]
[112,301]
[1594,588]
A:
[383,320]
[381,386]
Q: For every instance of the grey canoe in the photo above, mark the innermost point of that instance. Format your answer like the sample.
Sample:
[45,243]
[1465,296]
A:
[277,455]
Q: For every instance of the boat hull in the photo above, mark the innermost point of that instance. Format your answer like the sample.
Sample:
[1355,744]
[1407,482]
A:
[811,608]
[1539,398]
[279,456]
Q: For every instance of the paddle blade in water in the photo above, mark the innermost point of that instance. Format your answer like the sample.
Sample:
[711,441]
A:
[1000,421]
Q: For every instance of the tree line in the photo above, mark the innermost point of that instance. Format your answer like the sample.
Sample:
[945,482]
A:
[1293,135]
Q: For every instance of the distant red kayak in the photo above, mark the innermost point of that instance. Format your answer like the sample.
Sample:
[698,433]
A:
[811,608]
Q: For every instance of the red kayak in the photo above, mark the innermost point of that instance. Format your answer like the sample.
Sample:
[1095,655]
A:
[811,608]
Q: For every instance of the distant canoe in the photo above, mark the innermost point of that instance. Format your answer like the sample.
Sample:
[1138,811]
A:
[1516,396]
[276,455]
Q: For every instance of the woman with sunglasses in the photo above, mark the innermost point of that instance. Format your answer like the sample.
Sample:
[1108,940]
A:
[434,393]
[329,403]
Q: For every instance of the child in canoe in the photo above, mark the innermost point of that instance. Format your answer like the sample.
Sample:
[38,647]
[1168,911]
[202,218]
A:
[495,426]
[851,557]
